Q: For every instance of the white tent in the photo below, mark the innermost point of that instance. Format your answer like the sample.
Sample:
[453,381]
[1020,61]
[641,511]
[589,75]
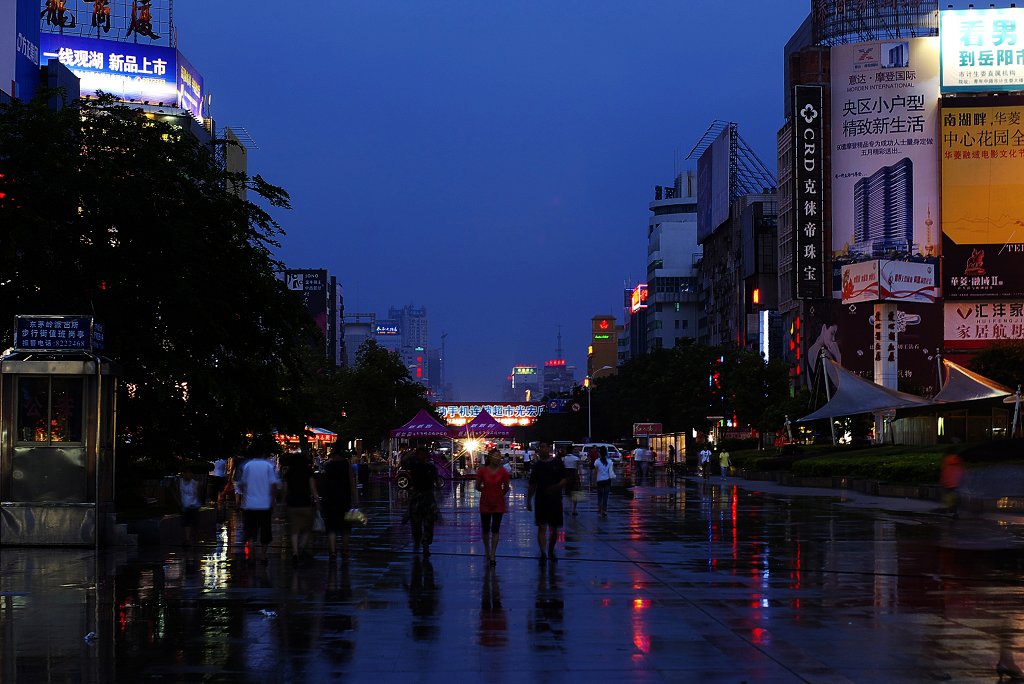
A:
[854,394]
[965,385]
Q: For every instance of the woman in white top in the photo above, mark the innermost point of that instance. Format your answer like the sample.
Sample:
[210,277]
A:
[602,475]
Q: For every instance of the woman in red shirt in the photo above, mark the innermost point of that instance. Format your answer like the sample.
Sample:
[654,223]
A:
[493,482]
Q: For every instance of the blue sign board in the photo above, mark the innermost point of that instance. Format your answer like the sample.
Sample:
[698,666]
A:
[26,65]
[57,333]
[131,72]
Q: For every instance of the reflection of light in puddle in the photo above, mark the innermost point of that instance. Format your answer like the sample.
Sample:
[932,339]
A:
[640,604]
[761,635]
[641,639]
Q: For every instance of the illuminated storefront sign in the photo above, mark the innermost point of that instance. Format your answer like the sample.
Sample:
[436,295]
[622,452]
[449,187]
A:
[982,49]
[131,72]
[638,300]
[809,194]
[506,413]
[982,202]
[884,172]
[386,329]
[976,325]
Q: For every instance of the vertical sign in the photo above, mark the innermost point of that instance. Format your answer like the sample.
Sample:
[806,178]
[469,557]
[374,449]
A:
[808,196]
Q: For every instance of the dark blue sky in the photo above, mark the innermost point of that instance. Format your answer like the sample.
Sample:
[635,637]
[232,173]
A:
[492,161]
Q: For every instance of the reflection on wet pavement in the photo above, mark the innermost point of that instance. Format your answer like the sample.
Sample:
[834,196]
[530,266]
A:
[697,581]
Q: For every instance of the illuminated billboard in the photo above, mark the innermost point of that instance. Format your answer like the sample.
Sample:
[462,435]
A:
[982,49]
[312,287]
[131,72]
[885,176]
[524,370]
[507,413]
[976,325]
[386,329]
[809,195]
[982,202]
[638,299]
[882,280]
[19,47]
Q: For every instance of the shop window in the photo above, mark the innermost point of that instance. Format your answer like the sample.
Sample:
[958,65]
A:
[50,409]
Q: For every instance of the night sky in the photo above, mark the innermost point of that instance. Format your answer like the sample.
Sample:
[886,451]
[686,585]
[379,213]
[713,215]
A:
[492,161]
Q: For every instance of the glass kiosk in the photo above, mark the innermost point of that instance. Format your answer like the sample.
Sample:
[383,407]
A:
[57,420]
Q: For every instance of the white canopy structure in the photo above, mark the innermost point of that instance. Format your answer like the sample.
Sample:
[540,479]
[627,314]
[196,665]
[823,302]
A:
[965,385]
[854,395]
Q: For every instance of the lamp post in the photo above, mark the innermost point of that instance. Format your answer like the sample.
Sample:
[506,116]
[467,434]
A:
[589,380]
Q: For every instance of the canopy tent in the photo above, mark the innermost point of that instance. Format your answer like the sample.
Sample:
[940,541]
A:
[855,395]
[313,434]
[422,425]
[965,385]
[484,425]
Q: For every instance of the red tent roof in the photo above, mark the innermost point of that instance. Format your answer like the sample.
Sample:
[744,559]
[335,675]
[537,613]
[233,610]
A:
[422,425]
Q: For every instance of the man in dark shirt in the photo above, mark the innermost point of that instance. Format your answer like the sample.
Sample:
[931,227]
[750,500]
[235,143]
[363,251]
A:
[544,497]
[423,510]
[300,494]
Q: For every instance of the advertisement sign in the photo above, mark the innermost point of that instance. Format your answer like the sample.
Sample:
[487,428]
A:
[982,49]
[809,196]
[131,72]
[860,282]
[714,184]
[977,325]
[312,285]
[883,280]
[506,413]
[19,48]
[982,202]
[646,429]
[57,333]
[524,370]
[849,335]
[638,299]
[885,176]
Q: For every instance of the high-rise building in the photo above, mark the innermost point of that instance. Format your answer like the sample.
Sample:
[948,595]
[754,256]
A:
[673,254]
[603,352]
[322,299]
[412,323]
[358,327]
[883,205]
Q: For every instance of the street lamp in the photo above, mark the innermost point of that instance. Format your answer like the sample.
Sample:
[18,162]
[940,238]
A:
[590,427]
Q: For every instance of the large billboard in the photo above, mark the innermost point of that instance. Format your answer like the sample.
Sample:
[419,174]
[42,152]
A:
[506,412]
[19,47]
[312,286]
[883,280]
[976,325]
[131,72]
[982,49]
[714,184]
[809,195]
[885,176]
[982,202]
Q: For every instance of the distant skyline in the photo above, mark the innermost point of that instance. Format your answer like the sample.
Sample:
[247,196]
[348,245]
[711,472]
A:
[492,162]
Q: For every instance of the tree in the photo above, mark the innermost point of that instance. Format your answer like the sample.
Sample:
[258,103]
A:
[110,212]
[1002,362]
[377,395]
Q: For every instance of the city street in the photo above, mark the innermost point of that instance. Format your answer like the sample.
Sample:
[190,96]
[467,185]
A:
[689,581]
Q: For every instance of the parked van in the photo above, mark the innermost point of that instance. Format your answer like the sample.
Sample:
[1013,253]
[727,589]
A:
[613,451]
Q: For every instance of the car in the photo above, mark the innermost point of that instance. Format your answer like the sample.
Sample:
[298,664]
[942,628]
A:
[613,451]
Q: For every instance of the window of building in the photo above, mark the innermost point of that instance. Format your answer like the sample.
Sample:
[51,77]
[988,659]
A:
[50,409]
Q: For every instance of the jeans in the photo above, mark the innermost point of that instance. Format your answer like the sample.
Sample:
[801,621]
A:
[604,488]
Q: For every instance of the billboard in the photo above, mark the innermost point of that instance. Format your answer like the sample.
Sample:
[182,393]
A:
[638,298]
[976,325]
[312,286]
[131,72]
[19,47]
[982,49]
[885,176]
[506,413]
[809,193]
[982,202]
[883,280]
[714,184]
[387,328]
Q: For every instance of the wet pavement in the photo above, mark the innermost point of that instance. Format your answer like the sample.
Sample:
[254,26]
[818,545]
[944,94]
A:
[690,581]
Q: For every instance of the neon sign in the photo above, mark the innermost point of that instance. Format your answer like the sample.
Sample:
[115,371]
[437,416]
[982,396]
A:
[638,300]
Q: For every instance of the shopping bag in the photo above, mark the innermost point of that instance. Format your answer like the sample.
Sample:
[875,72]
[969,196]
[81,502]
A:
[318,522]
[355,517]
[578,496]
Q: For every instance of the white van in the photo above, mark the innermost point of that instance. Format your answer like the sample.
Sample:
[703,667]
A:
[613,451]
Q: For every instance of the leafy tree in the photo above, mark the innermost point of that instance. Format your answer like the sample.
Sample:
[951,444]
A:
[111,212]
[376,395]
[1002,362]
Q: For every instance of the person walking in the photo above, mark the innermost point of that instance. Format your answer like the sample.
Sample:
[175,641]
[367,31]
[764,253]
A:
[602,474]
[724,463]
[493,483]
[705,462]
[300,496]
[544,498]
[258,484]
[951,477]
[337,493]
[215,480]
[642,460]
[573,489]
[423,511]
[188,497]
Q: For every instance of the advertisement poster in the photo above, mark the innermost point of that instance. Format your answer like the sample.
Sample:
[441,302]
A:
[885,179]
[848,337]
[981,49]
[977,325]
[983,202]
